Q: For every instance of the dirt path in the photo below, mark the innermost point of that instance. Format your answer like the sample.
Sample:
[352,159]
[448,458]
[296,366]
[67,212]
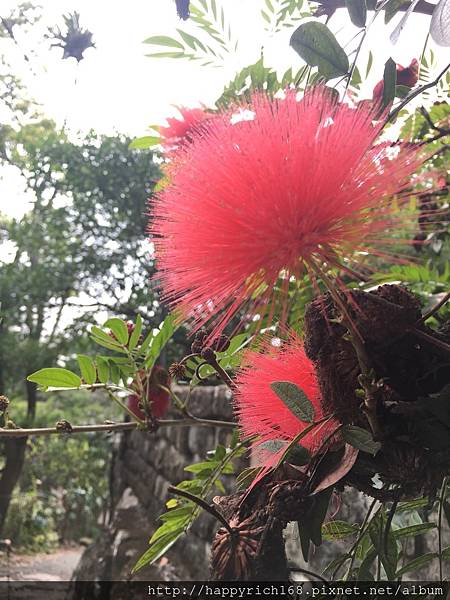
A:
[57,566]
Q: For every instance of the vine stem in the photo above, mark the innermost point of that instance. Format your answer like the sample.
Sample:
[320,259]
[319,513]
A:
[187,422]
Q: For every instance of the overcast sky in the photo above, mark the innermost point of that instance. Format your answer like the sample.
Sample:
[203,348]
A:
[117,88]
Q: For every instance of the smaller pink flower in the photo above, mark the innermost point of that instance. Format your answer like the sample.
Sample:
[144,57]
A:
[261,412]
[180,131]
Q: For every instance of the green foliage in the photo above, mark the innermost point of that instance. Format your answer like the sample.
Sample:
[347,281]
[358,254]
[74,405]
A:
[139,353]
[183,512]
[282,14]
[361,439]
[318,47]
[389,81]
[216,40]
[295,399]
[310,525]
[58,378]
[357,11]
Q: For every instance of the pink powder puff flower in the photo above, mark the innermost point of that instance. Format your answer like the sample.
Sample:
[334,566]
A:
[180,131]
[292,189]
[261,412]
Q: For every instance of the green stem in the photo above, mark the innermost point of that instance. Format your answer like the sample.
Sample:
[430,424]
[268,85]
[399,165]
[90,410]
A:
[442,496]
[125,408]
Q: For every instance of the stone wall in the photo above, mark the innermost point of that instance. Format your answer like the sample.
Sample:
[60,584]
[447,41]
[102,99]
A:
[143,467]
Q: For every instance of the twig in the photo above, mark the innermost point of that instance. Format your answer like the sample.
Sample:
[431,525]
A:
[200,502]
[415,93]
[188,422]
[433,310]
[423,111]
[222,374]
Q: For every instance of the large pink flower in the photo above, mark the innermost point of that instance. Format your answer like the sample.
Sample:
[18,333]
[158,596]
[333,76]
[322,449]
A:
[261,412]
[263,195]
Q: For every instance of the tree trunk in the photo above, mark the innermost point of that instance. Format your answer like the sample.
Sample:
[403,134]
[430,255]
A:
[14,454]
[14,460]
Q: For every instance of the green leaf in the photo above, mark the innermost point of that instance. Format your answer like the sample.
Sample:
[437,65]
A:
[191,41]
[102,370]
[389,82]
[446,508]
[369,63]
[144,143]
[167,55]
[412,505]
[392,7]
[446,553]
[413,530]
[272,446]
[310,523]
[158,341]
[157,549]
[416,564]
[55,377]
[361,439]
[338,530]
[295,399]
[358,12]
[119,329]
[202,467]
[163,40]
[115,373]
[87,368]
[318,47]
[386,548]
[244,478]
[135,334]
[103,339]
[364,573]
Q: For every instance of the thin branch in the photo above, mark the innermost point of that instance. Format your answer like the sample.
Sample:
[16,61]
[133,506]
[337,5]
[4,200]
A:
[188,422]
[222,374]
[433,310]
[202,504]
[415,93]
[425,114]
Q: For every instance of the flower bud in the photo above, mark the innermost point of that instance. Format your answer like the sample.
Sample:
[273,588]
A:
[4,403]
